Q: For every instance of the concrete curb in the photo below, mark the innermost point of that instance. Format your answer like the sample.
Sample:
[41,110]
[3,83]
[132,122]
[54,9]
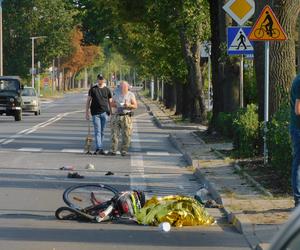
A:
[240,221]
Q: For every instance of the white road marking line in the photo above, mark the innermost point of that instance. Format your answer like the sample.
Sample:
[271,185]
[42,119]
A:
[55,138]
[30,149]
[72,150]
[22,132]
[31,131]
[40,125]
[45,102]
[8,141]
[2,140]
[144,140]
[137,176]
[158,153]
[163,167]
[16,136]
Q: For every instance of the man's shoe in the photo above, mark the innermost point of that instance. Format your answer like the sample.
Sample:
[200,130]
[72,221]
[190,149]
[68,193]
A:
[112,153]
[99,152]
[123,153]
[75,175]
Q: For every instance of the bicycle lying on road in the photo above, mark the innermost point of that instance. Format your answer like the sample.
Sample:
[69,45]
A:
[99,202]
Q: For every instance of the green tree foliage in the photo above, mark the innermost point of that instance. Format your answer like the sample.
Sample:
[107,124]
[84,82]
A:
[162,37]
[29,18]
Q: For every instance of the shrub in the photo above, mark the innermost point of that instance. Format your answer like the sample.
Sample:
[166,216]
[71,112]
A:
[224,124]
[279,143]
[209,115]
[246,125]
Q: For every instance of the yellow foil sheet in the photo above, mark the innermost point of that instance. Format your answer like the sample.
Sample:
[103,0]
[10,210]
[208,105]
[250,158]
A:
[177,210]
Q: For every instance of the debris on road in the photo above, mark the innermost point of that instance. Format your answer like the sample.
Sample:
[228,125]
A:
[90,166]
[109,173]
[164,227]
[75,175]
[67,168]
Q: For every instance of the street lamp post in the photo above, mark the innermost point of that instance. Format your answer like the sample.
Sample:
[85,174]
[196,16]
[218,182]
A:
[32,57]
[1,41]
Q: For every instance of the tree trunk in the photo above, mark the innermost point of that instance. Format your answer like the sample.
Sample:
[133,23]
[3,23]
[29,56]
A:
[155,88]
[197,112]
[179,97]
[224,70]
[170,94]
[282,54]
[185,102]
[231,87]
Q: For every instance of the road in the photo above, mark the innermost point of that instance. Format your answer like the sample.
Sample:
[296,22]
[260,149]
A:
[31,184]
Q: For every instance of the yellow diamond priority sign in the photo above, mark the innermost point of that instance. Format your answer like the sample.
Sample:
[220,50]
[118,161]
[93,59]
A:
[240,10]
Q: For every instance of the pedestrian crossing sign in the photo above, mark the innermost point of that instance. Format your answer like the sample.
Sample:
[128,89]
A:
[238,42]
[267,27]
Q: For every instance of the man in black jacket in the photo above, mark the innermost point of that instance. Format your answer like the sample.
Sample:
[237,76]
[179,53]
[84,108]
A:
[99,103]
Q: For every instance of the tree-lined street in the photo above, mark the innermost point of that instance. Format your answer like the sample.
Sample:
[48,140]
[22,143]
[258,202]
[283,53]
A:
[216,97]
[32,184]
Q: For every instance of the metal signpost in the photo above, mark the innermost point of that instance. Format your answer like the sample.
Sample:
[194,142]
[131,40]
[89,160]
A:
[33,71]
[237,41]
[267,28]
[1,40]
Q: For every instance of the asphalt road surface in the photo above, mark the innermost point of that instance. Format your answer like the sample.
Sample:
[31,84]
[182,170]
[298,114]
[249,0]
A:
[31,183]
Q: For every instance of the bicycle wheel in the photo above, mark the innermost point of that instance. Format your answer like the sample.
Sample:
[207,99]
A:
[259,33]
[87,196]
[68,213]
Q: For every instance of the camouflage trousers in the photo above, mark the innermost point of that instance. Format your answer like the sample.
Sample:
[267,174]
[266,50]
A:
[121,125]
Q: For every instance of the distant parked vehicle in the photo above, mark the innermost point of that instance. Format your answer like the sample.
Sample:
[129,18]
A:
[10,96]
[31,101]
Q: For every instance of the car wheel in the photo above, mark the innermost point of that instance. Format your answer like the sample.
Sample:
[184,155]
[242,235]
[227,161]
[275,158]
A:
[18,116]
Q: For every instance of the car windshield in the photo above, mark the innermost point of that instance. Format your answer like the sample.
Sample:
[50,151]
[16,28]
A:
[9,85]
[28,92]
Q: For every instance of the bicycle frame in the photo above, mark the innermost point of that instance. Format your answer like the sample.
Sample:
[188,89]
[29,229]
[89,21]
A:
[98,211]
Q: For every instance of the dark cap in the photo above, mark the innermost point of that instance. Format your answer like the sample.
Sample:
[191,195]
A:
[100,77]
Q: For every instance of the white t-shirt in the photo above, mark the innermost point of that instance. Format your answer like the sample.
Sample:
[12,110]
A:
[120,100]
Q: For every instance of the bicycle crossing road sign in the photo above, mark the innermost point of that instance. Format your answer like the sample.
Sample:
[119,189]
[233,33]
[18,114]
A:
[267,27]
[238,42]
[240,10]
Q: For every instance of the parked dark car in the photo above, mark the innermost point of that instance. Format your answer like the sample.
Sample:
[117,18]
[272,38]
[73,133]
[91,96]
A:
[10,97]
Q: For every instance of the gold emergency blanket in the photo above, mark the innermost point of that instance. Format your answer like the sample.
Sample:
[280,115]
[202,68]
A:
[177,210]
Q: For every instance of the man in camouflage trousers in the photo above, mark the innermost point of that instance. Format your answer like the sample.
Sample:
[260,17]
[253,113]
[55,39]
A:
[123,102]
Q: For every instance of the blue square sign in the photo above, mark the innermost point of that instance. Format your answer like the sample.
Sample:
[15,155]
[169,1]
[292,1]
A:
[238,42]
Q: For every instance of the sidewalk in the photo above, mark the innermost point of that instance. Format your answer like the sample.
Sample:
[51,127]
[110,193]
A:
[249,207]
